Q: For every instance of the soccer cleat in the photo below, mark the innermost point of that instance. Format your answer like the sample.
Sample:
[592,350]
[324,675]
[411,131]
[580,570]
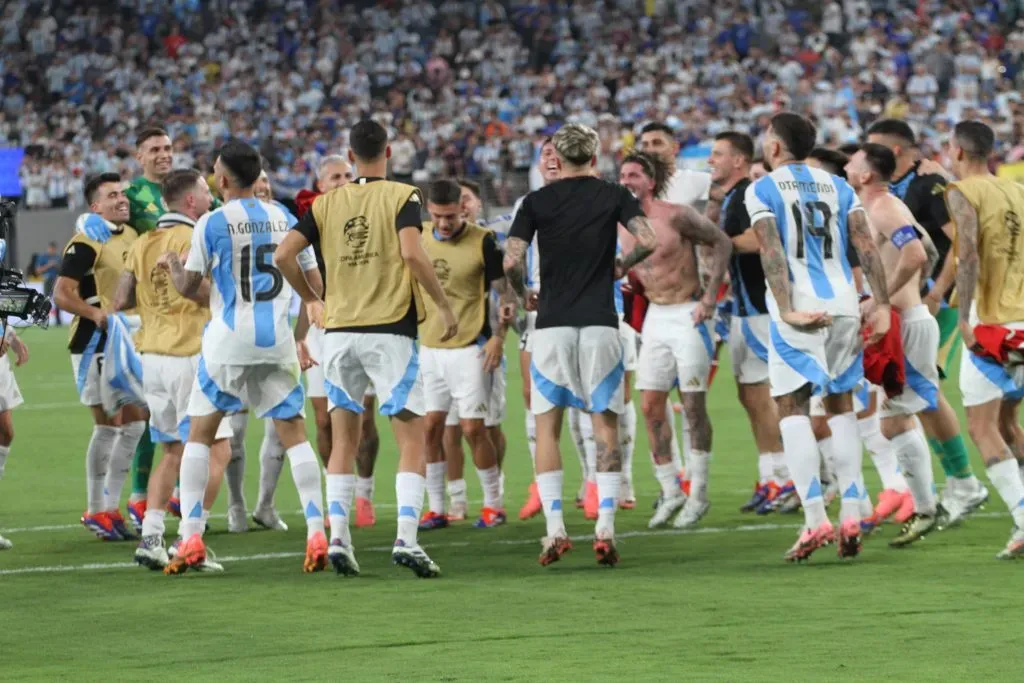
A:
[120,526]
[532,506]
[666,510]
[101,525]
[136,513]
[5,544]
[190,554]
[916,528]
[552,549]
[906,510]
[771,500]
[237,522]
[684,485]
[151,553]
[604,549]
[413,557]
[693,511]
[365,515]
[343,558]
[627,501]
[269,519]
[457,511]
[490,517]
[758,498]
[809,541]
[849,545]
[1014,547]
[889,502]
[316,553]
[973,500]
[174,507]
[590,501]
[433,520]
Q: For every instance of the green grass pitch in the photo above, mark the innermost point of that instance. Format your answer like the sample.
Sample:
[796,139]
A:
[717,604]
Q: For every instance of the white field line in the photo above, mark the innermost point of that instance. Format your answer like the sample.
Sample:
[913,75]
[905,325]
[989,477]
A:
[743,528]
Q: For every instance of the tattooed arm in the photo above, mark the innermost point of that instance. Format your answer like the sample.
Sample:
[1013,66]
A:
[124,296]
[773,261]
[965,216]
[514,264]
[189,283]
[871,263]
[716,247]
[646,240]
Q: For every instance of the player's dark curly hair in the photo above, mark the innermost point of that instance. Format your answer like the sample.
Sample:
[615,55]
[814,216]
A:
[654,168]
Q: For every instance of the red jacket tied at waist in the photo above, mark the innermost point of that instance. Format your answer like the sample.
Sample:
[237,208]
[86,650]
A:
[883,360]
[1001,344]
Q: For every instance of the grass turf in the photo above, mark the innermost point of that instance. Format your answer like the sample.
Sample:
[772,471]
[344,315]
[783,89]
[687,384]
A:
[718,604]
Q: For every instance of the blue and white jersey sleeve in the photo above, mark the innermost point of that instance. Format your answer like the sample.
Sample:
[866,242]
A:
[810,208]
[198,260]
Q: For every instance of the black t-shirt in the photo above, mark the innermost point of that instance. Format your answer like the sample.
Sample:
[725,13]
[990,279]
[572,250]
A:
[924,196]
[77,264]
[745,271]
[576,223]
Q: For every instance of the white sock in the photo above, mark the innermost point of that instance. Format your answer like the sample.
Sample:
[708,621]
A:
[828,459]
[120,463]
[549,486]
[234,474]
[882,453]
[779,469]
[608,494]
[627,442]
[340,490]
[306,473]
[849,455]
[765,468]
[271,464]
[531,437]
[698,474]
[576,421]
[490,482]
[666,475]
[866,508]
[4,450]
[804,463]
[153,522]
[176,493]
[1005,476]
[678,453]
[364,488]
[195,472]
[911,451]
[457,490]
[589,447]
[435,486]
[409,494]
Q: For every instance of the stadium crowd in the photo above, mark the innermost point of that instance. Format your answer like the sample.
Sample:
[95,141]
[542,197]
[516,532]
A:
[466,88]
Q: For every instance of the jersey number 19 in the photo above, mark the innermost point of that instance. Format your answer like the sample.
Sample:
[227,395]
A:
[264,263]
[816,218]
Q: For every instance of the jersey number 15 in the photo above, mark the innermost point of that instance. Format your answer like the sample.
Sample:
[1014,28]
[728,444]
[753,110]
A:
[816,218]
[264,263]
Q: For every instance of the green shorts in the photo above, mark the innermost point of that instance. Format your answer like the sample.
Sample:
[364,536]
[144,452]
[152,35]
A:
[949,338]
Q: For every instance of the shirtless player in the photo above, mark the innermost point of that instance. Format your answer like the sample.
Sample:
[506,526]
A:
[676,338]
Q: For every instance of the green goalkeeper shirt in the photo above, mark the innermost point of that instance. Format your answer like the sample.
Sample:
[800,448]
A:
[147,204]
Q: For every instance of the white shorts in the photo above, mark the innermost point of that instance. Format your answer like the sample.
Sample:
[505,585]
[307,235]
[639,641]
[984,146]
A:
[86,369]
[10,394]
[526,338]
[748,348]
[830,360]
[629,344]
[167,382]
[315,375]
[577,367]
[268,390]
[674,349]
[861,399]
[352,360]
[496,403]
[920,333]
[454,381]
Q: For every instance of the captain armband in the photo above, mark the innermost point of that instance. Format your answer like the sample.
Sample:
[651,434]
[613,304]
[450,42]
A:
[904,236]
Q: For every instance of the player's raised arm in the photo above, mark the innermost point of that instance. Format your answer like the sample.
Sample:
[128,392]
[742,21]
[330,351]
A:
[965,217]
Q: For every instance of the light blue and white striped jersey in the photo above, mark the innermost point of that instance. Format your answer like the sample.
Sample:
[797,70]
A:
[811,207]
[249,298]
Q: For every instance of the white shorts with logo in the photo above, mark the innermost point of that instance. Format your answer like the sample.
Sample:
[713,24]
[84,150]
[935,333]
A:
[454,382]
[167,382]
[920,334]
[315,375]
[526,338]
[86,369]
[10,393]
[673,348]
[352,360]
[268,390]
[830,359]
[629,344]
[748,348]
[577,367]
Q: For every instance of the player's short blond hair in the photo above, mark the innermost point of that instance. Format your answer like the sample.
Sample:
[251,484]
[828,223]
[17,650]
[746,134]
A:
[576,144]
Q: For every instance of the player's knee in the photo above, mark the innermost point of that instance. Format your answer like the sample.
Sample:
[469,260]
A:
[892,427]
[323,421]
[473,430]
[653,406]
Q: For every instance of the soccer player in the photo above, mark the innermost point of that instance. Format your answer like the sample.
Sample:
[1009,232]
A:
[803,218]
[457,372]
[987,212]
[169,341]
[248,354]
[676,344]
[369,234]
[577,351]
[730,162]
[683,186]
[923,193]
[85,287]
[10,398]
[905,261]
